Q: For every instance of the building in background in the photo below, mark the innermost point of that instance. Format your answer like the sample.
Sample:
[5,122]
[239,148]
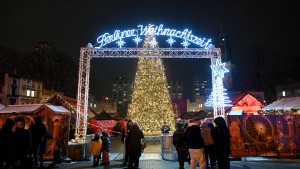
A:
[21,90]
[201,88]
[289,89]
[121,93]
[105,104]
[175,89]
[201,92]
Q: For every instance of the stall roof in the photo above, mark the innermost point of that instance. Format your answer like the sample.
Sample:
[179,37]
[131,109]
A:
[20,108]
[284,103]
[69,102]
[30,108]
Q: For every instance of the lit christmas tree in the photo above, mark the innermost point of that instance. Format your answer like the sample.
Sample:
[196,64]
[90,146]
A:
[151,105]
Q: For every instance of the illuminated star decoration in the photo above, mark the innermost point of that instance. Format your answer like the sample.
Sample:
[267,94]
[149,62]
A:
[219,68]
[171,41]
[137,40]
[121,43]
[153,43]
[185,43]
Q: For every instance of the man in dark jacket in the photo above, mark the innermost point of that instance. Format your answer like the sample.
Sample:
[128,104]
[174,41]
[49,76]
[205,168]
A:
[221,138]
[23,144]
[180,144]
[7,149]
[38,132]
[124,139]
[195,144]
[135,137]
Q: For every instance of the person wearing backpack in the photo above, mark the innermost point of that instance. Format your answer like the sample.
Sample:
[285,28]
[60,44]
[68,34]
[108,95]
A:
[180,144]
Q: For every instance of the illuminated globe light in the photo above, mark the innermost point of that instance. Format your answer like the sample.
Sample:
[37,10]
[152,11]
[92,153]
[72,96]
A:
[185,34]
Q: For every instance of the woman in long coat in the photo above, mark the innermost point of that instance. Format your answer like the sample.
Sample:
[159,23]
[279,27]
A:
[134,137]
[221,138]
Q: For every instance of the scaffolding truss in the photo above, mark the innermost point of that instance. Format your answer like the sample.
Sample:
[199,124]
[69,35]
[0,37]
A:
[87,53]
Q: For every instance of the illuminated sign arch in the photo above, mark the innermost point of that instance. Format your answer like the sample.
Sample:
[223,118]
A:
[186,35]
[218,99]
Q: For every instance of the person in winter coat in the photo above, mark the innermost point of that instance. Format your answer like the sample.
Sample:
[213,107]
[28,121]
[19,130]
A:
[221,138]
[38,133]
[6,144]
[95,149]
[195,143]
[209,147]
[22,138]
[124,139]
[135,137]
[57,156]
[180,143]
[105,147]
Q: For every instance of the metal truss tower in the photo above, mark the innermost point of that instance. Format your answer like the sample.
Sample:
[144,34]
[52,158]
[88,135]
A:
[89,52]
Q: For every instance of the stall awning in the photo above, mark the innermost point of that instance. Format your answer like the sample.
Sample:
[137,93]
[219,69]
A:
[284,103]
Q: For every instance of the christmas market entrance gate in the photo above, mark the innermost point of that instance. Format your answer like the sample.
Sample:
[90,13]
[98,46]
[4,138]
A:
[89,52]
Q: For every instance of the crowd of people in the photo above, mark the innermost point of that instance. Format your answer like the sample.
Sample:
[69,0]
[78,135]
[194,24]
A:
[201,142]
[22,148]
[132,136]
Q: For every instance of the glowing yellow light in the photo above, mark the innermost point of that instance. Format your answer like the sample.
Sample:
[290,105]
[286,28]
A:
[151,105]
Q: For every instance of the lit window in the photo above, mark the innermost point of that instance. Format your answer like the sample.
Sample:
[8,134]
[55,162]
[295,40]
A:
[283,93]
[91,104]
[95,105]
[28,93]
[32,93]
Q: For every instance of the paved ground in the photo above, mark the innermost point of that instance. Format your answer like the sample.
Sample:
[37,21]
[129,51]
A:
[151,159]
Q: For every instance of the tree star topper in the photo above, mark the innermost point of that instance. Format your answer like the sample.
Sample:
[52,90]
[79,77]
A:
[219,68]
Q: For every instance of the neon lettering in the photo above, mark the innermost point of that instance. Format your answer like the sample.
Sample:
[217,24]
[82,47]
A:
[141,30]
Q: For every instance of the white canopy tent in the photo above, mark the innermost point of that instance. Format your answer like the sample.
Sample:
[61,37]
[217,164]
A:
[284,104]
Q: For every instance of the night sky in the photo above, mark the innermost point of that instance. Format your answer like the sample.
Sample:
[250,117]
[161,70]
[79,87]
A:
[69,25]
